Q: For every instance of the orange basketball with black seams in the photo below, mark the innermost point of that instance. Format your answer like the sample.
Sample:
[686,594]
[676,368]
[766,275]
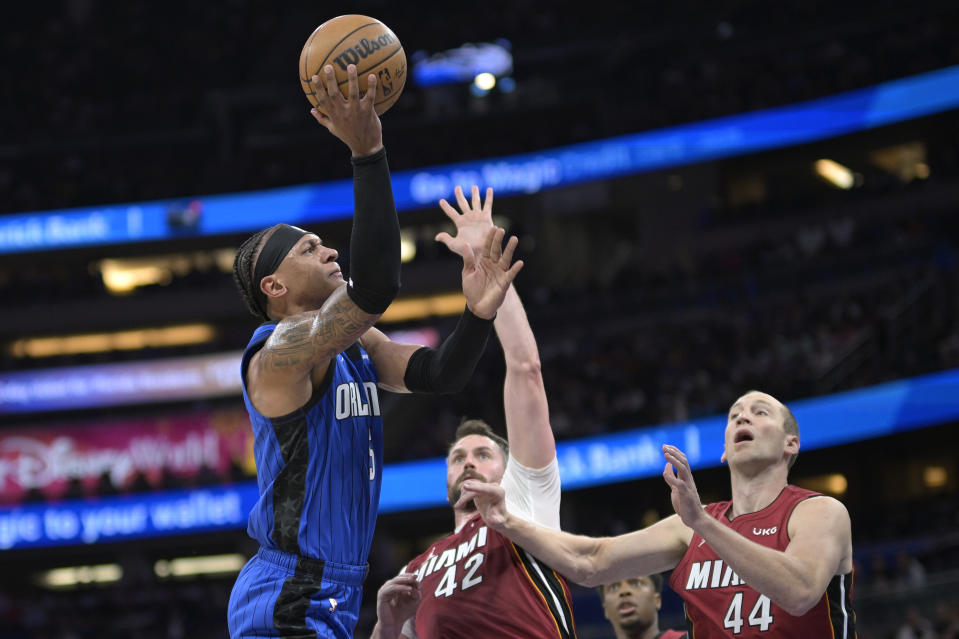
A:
[360,40]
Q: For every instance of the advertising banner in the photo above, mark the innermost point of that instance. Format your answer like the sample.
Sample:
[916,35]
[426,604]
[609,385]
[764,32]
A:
[79,459]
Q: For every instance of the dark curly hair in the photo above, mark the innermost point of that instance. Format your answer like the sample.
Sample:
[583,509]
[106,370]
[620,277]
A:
[243,265]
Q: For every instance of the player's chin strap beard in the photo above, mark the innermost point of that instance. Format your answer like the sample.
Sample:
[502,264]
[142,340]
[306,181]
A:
[273,253]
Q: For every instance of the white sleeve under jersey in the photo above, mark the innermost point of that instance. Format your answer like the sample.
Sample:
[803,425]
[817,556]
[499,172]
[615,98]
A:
[531,493]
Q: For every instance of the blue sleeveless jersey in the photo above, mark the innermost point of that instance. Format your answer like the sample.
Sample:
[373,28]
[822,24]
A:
[319,467]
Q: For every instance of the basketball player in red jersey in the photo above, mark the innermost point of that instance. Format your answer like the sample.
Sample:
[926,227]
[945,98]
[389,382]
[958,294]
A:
[632,607]
[476,582]
[776,561]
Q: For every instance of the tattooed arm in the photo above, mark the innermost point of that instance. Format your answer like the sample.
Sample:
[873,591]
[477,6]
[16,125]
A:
[298,354]
[296,358]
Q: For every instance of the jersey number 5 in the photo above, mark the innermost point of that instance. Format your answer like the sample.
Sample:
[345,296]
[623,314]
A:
[447,584]
[758,616]
[372,457]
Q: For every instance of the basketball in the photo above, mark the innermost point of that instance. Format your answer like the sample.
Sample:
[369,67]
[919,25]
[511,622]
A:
[360,40]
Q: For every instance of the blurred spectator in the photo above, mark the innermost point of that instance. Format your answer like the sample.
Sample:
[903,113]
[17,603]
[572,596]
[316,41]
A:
[947,619]
[916,626]
[910,574]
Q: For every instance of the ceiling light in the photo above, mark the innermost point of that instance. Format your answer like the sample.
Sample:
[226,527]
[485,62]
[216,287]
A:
[835,173]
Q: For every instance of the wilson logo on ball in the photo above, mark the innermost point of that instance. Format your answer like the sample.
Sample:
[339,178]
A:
[363,50]
[362,41]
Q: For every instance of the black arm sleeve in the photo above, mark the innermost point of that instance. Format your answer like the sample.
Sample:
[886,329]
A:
[375,240]
[448,368]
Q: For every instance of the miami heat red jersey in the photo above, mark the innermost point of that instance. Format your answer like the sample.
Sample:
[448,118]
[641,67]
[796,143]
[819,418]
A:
[477,583]
[720,604]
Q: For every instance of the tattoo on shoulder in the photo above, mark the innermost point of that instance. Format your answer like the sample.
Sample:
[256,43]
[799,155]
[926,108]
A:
[307,338]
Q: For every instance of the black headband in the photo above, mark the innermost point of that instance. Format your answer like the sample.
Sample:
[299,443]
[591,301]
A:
[274,251]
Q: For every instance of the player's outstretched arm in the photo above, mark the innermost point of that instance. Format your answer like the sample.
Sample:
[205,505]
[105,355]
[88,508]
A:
[530,435]
[486,279]
[820,544]
[527,413]
[589,561]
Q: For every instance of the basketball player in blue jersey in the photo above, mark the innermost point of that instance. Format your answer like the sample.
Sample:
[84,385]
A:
[310,379]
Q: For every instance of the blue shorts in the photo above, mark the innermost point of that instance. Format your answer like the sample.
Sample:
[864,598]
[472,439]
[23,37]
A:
[282,595]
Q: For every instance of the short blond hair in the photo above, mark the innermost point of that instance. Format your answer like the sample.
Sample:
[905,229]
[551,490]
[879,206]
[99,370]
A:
[790,425]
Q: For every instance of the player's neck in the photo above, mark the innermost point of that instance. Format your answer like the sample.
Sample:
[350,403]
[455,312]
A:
[752,493]
[648,632]
[461,516]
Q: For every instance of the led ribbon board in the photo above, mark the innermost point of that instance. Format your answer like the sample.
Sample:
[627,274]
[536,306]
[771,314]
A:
[823,421]
[887,103]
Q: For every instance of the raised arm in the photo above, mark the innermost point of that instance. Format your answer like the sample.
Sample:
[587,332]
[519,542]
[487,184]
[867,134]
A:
[280,372]
[527,413]
[589,561]
[528,429]
[487,277]
[795,579]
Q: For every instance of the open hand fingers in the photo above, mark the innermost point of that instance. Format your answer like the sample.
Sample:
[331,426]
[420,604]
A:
[469,260]
[671,477]
[321,117]
[488,244]
[488,204]
[329,83]
[507,255]
[514,271]
[322,95]
[496,246]
[461,199]
[353,85]
[372,86]
[678,460]
[477,205]
[678,455]
[316,81]
[451,213]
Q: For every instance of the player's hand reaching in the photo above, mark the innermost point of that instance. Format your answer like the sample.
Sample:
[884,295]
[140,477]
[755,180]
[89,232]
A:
[487,277]
[472,225]
[490,500]
[684,495]
[352,118]
[396,601]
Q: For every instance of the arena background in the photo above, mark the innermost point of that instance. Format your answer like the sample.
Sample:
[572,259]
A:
[811,254]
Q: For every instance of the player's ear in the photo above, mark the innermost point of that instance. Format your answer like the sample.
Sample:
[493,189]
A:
[658,600]
[272,286]
[792,444]
[722,460]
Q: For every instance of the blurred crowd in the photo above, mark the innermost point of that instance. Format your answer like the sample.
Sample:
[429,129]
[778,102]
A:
[832,303]
[138,101]
[222,110]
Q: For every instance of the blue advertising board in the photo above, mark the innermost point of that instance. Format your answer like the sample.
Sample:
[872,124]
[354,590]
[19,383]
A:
[895,101]
[824,421]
